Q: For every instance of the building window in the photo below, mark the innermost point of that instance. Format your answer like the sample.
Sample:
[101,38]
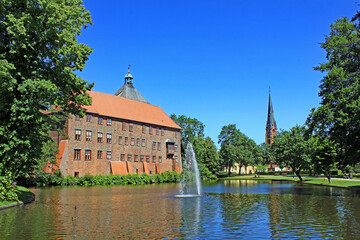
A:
[138,142]
[160,159]
[99,154]
[143,142]
[122,157]
[126,140]
[76,174]
[100,136]
[77,118]
[144,129]
[77,154]
[159,146]
[131,127]
[157,131]
[147,158]
[141,158]
[120,140]
[108,137]
[162,132]
[176,158]
[136,158]
[132,141]
[124,126]
[108,121]
[108,154]
[129,158]
[78,134]
[176,147]
[88,135]
[154,158]
[88,118]
[100,119]
[150,130]
[87,155]
[154,146]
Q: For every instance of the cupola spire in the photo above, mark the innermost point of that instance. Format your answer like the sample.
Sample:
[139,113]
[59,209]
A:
[128,77]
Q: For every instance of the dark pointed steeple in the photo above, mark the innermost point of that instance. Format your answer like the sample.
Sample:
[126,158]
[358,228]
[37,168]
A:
[270,124]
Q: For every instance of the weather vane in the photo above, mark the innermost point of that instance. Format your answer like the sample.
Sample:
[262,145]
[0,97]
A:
[129,67]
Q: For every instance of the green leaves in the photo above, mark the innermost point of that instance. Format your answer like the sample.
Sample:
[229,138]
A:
[39,54]
[338,116]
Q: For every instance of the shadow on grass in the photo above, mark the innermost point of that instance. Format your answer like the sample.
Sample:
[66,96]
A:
[25,194]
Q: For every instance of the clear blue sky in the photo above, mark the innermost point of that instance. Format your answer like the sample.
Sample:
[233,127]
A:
[214,60]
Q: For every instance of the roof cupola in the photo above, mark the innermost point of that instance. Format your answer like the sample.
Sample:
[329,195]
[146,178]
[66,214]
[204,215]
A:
[128,77]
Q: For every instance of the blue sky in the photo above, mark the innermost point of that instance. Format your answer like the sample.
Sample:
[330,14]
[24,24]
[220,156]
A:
[214,60]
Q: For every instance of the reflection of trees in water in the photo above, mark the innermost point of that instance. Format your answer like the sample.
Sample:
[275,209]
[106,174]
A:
[298,215]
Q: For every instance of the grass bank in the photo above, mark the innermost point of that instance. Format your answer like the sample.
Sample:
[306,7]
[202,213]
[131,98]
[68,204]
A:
[335,182]
[24,195]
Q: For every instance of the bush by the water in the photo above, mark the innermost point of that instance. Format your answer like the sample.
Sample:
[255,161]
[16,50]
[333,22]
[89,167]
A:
[48,179]
[8,191]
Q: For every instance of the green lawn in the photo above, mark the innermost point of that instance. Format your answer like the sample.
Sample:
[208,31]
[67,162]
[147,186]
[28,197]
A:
[313,180]
[23,194]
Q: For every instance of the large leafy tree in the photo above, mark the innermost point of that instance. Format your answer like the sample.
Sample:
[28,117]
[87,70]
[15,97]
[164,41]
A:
[39,54]
[338,116]
[191,130]
[236,147]
[292,149]
[207,154]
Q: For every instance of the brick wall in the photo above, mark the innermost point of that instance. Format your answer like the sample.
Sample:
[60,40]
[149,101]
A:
[94,165]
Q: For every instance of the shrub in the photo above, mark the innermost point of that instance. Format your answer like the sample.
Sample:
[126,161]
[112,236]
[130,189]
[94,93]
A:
[8,191]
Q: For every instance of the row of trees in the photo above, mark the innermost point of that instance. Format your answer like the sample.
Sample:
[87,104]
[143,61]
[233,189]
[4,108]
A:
[236,147]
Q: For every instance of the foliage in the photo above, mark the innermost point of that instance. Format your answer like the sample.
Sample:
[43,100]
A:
[48,179]
[338,116]
[191,129]
[207,156]
[238,148]
[8,191]
[325,156]
[39,55]
[292,150]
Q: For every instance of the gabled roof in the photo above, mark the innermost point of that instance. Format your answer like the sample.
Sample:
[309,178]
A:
[119,107]
[270,123]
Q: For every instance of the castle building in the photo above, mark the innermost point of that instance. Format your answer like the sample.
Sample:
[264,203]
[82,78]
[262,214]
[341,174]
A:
[120,134]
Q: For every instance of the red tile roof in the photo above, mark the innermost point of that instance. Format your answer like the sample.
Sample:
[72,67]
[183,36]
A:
[124,108]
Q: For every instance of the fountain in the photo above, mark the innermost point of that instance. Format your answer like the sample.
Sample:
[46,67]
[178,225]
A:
[190,184]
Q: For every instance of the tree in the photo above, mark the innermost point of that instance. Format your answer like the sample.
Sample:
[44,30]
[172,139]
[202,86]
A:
[338,116]
[236,147]
[291,149]
[39,55]
[207,154]
[191,129]
[325,156]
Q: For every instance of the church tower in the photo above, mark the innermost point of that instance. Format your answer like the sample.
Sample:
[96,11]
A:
[271,129]
[128,90]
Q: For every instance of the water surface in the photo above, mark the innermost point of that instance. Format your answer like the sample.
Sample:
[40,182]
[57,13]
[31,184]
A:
[234,209]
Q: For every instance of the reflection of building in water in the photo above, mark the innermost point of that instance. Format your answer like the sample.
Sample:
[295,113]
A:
[120,134]
[120,212]
[242,170]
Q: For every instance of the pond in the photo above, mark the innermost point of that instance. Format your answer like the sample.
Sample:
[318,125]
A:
[231,209]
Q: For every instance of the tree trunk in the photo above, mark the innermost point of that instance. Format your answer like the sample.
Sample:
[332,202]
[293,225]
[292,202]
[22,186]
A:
[310,172]
[298,175]
[240,166]
[329,178]
[229,173]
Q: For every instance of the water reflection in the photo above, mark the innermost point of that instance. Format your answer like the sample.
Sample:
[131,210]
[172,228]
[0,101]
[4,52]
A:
[228,210]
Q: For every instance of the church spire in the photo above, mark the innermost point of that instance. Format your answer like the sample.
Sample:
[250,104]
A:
[271,129]
[270,119]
